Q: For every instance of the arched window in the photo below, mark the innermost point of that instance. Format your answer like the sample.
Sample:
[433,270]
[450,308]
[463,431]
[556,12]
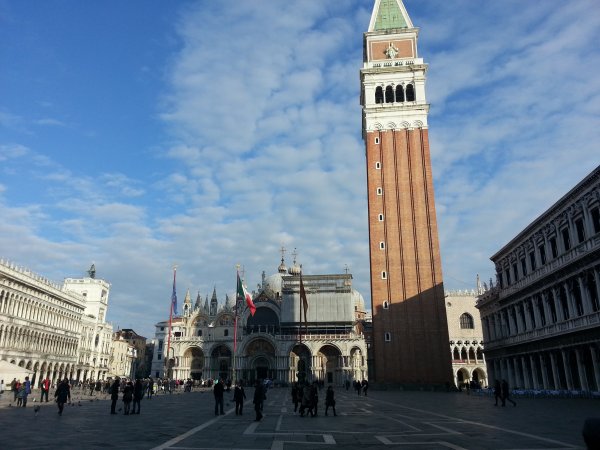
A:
[226,333]
[466,321]
[399,93]
[410,93]
[389,94]
[199,332]
[378,94]
[456,355]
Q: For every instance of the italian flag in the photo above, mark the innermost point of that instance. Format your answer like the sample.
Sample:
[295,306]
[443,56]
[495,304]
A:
[242,293]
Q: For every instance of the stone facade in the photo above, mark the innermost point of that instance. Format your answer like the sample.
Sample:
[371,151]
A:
[410,331]
[51,330]
[274,343]
[541,320]
[122,358]
[466,338]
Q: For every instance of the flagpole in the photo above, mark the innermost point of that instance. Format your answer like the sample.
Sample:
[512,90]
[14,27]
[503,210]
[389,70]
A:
[235,326]
[300,305]
[170,324]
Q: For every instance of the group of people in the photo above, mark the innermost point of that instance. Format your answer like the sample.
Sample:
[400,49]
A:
[306,397]
[21,391]
[133,392]
[502,393]
[359,386]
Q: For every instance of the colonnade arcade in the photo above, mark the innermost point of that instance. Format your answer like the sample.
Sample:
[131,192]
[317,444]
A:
[55,371]
[466,357]
[258,359]
[566,300]
[574,368]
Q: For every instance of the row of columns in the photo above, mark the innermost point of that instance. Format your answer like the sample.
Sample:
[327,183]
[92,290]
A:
[571,368]
[283,367]
[574,297]
[16,338]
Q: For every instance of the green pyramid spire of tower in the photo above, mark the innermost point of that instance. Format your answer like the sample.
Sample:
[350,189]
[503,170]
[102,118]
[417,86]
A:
[389,16]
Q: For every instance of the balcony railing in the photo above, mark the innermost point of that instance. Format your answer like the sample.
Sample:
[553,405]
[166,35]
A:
[551,330]
[558,263]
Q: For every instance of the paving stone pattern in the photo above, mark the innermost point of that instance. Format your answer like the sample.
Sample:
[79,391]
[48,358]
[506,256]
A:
[384,419]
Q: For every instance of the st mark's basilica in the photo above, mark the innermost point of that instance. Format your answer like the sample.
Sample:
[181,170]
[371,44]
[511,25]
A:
[275,343]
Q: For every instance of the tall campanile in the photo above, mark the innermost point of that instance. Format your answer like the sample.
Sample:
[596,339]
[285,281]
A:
[410,331]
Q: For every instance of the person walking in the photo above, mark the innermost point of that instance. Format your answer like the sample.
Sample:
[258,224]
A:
[239,396]
[218,392]
[365,387]
[330,400]
[27,391]
[63,395]
[259,396]
[150,387]
[14,387]
[497,392]
[314,399]
[295,398]
[20,395]
[45,389]
[1,388]
[114,394]
[127,397]
[506,394]
[138,395]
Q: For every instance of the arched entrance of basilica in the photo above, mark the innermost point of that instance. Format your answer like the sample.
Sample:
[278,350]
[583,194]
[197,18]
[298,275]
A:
[221,362]
[193,359]
[260,355]
[301,364]
[328,360]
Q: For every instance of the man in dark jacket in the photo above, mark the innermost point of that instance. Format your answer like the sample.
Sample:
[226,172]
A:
[239,396]
[138,395]
[62,394]
[218,390]
[114,395]
[259,397]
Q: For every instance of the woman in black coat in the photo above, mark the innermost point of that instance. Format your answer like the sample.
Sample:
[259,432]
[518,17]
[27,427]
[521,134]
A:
[138,395]
[127,397]
[62,394]
[114,395]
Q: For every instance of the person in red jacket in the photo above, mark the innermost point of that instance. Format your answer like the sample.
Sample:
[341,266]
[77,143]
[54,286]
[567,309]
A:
[45,389]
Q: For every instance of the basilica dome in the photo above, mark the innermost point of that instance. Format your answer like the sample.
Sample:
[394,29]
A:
[273,285]
[358,302]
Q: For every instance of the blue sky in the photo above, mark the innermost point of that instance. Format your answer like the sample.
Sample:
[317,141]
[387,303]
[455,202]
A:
[141,134]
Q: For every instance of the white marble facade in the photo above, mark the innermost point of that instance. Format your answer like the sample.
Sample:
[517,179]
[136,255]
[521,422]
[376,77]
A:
[466,338]
[541,320]
[274,343]
[52,330]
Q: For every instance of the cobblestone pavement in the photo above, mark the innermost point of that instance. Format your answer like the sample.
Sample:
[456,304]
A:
[384,419]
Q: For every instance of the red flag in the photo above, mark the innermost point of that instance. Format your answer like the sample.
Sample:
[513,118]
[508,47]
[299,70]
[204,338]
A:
[304,302]
[243,294]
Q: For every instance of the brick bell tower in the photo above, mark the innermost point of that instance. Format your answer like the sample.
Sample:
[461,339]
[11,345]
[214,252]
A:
[410,330]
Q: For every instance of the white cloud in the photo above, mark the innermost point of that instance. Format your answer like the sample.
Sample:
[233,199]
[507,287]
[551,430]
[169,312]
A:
[263,149]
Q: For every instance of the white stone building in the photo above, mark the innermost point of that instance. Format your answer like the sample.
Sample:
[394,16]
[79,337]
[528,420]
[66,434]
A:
[96,334]
[466,337]
[123,356]
[274,343]
[541,321]
[53,330]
